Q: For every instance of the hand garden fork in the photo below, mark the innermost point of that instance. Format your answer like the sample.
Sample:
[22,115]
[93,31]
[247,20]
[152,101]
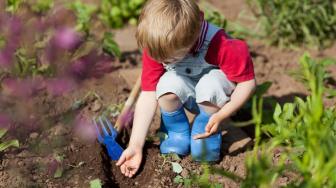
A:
[107,135]
[108,138]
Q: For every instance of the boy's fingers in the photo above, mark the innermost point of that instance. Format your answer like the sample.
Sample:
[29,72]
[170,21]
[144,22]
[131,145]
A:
[123,169]
[121,160]
[199,136]
[208,127]
[213,129]
[131,171]
[127,172]
[134,171]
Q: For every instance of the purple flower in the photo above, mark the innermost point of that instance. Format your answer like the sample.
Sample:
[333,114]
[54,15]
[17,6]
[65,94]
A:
[127,119]
[5,121]
[91,66]
[66,39]
[15,26]
[23,88]
[6,58]
[59,86]
[84,129]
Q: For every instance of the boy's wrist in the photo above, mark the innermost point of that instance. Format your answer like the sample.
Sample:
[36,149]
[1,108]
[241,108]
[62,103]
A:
[221,115]
[136,146]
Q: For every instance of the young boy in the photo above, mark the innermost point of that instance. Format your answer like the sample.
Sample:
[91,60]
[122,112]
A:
[187,63]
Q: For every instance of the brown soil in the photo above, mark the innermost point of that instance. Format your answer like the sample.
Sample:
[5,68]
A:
[33,165]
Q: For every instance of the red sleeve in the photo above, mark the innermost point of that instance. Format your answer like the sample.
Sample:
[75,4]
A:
[232,56]
[151,73]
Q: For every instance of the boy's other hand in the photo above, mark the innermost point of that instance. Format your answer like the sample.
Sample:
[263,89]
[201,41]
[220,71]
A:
[211,128]
[130,161]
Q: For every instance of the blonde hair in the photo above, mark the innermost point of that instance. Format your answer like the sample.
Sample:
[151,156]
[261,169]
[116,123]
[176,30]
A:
[168,26]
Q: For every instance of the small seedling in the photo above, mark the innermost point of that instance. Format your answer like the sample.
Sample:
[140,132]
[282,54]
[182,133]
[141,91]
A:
[6,144]
[59,170]
[96,183]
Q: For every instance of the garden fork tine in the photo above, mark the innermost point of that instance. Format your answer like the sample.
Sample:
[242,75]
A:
[110,127]
[103,126]
[106,136]
[99,135]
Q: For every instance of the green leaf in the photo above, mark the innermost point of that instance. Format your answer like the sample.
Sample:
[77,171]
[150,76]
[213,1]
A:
[96,183]
[178,179]
[288,111]
[263,88]
[2,132]
[7,144]
[59,172]
[177,168]
[110,46]
[277,112]
[77,104]
[162,135]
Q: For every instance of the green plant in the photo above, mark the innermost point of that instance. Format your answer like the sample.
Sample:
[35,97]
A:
[292,23]
[6,144]
[308,130]
[83,13]
[2,41]
[304,130]
[25,65]
[259,163]
[324,63]
[96,183]
[110,46]
[59,165]
[115,13]
[42,6]
[13,5]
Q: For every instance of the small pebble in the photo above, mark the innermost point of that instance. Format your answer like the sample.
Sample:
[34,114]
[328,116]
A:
[184,173]
[232,168]
[72,147]
[33,135]
[20,163]
[59,130]
[96,106]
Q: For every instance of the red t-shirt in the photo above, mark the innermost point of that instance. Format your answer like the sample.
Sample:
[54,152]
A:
[232,56]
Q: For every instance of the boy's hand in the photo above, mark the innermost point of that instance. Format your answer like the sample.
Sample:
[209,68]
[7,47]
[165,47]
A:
[130,161]
[211,127]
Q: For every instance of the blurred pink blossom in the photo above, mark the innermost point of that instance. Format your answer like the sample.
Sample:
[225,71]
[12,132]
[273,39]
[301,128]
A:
[84,129]
[5,121]
[52,167]
[59,86]
[6,58]
[91,66]
[23,87]
[127,119]
[14,27]
[66,39]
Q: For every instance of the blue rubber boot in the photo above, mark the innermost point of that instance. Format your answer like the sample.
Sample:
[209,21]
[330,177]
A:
[176,125]
[208,149]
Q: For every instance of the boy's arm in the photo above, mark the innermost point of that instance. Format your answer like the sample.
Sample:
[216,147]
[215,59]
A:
[239,97]
[131,158]
[144,113]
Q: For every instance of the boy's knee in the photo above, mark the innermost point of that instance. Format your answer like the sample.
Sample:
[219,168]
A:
[208,86]
[168,97]
[169,102]
[212,89]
